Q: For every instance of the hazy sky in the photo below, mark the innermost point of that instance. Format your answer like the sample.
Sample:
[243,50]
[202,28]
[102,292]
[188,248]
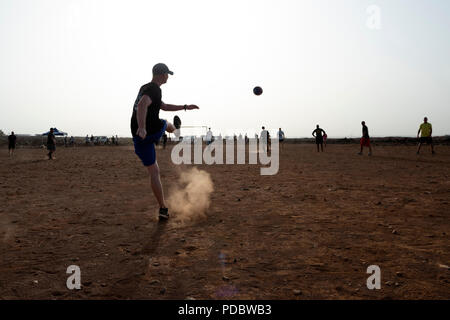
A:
[78,65]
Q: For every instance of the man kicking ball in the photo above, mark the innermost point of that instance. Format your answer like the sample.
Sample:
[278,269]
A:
[147,128]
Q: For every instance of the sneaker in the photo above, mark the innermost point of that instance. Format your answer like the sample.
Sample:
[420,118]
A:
[163,213]
[177,122]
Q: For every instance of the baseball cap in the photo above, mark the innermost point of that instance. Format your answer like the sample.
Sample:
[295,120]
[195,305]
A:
[161,68]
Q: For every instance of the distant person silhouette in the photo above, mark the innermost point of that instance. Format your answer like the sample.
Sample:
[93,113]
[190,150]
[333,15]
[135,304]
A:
[209,136]
[425,131]
[164,138]
[264,137]
[51,144]
[365,140]
[318,134]
[12,143]
[281,137]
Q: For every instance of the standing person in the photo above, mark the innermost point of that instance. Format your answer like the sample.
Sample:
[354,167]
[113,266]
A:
[117,140]
[425,137]
[263,138]
[209,136]
[72,141]
[51,144]
[92,138]
[365,140]
[12,143]
[318,134]
[280,137]
[87,140]
[325,137]
[164,140]
[147,128]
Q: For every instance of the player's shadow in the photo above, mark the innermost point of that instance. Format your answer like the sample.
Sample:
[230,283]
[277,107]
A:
[128,284]
[155,238]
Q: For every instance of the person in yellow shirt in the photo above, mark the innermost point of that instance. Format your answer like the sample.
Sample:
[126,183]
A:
[425,131]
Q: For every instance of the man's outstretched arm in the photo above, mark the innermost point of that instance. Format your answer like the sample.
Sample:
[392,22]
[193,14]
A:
[173,107]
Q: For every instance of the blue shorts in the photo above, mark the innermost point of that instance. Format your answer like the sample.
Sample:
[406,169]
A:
[145,148]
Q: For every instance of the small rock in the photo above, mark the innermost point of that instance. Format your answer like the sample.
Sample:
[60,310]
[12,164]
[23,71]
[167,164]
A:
[297,292]
[190,298]
[224,278]
[156,264]
[444,266]
[183,240]
[388,283]
[399,274]
[35,281]
[103,284]
[154,282]
[397,284]
[394,231]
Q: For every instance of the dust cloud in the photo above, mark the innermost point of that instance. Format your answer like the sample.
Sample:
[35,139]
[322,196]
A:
[191,196]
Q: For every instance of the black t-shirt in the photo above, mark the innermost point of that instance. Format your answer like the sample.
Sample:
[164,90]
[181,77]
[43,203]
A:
[50,139]
[12,139]
[365,132]
[152,123]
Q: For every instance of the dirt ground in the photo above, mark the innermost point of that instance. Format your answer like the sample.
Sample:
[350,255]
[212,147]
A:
[309,232]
